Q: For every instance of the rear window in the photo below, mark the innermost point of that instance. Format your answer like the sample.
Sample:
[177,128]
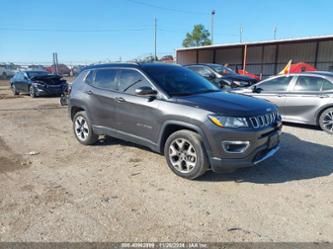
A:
[308,84]
[102,78]
[327,86]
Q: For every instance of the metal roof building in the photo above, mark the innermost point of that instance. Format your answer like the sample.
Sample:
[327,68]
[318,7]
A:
[266,57]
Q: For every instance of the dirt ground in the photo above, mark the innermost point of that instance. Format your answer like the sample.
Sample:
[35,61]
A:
[54,189]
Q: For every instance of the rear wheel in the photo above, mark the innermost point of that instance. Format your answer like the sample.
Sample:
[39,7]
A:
[185,154]
[83,129]
[326,120]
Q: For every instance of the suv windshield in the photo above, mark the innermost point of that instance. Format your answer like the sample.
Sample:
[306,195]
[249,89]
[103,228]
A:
[179,81]
[222,69]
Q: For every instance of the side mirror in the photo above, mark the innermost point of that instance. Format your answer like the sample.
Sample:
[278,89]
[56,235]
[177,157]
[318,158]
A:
[256,89]
[145,91]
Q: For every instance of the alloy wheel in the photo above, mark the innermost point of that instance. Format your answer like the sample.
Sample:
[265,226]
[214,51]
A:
[182,155]
[328,121]
[81,128]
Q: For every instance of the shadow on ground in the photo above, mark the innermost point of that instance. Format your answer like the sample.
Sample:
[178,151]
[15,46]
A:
[297,160]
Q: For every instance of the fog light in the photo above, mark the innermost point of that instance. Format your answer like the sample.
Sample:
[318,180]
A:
[235,146]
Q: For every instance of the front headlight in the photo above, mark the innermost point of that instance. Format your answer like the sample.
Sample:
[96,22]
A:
[229,122]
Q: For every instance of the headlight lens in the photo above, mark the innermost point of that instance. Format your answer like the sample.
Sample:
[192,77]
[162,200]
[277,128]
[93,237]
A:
[229,122]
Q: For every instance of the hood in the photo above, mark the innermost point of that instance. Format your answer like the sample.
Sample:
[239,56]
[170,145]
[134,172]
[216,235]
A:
[46,77]
[228,104]
[51,79]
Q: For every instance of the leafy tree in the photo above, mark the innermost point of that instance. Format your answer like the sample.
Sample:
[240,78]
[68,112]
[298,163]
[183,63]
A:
[198,37]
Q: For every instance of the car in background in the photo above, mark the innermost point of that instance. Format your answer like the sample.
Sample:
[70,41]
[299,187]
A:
[7,71]
[222,75]
[305,98]
[167,59]
[60,69]
[37,83]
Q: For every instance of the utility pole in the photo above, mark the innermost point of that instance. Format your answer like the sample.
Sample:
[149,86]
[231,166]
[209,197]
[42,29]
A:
[212,26]
[275,31]
[55,62]
[155,39]
[241,34]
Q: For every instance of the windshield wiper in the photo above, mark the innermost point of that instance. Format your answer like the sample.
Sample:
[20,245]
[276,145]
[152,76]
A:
[208,91]
[181,94]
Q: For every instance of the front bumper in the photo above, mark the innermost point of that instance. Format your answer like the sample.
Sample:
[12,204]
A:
[261,149]
[49,91]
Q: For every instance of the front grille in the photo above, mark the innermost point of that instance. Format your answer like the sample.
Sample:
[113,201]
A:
[263,120]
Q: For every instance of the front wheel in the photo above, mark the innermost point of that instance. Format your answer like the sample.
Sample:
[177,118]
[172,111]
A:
[32,92]
[14,90]
[83,129]
[185,154]
[326,121]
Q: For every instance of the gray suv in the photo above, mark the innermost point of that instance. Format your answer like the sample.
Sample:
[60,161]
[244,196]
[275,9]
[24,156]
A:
[174,111]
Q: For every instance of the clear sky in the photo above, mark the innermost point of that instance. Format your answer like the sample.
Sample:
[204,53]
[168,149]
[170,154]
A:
[91,31]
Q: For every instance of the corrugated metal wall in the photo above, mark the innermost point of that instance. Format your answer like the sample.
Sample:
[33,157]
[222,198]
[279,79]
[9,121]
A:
[266,59]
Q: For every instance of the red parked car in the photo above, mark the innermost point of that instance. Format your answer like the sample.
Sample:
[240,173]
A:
[62,70]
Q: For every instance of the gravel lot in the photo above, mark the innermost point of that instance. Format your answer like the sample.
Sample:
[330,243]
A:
[117,191]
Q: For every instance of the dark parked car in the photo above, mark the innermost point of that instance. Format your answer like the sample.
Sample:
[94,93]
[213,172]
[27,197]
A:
[37,83]
[222,76]
[174,111]
[305,98]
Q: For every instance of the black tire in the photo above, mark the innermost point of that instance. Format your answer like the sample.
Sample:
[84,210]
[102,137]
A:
[14,90]
[326,120]
[63,100]
[184,155]
[85,135]
[32,92]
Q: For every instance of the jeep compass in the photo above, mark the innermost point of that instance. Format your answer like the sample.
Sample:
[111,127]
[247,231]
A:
[174,111]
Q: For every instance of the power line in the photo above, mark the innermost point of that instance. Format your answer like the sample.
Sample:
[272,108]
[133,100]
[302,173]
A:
[73,30]
[168,9]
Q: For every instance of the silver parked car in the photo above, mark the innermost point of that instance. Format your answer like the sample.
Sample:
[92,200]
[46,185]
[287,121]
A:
[305,98]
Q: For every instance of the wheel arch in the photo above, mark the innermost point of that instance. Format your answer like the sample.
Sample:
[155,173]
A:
[170,127]
[74,110]
[320,111]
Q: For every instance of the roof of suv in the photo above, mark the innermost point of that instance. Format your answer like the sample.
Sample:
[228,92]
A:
[130,65]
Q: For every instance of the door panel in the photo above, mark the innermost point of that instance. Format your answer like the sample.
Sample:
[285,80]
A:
[101,106]
[304,99]
[138,116]
[301,107]
[100,94]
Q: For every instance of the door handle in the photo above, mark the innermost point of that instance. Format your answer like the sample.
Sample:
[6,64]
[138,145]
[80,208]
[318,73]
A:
[281,95]
[323,96]
[89,92]
[120,99]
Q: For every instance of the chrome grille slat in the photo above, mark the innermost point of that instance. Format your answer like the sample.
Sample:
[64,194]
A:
[263,120]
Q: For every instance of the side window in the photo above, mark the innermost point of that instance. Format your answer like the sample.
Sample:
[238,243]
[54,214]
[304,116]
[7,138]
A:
[308,84]
[130,80]
[105,79]
[90,77]
[327,85]
[279,84]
